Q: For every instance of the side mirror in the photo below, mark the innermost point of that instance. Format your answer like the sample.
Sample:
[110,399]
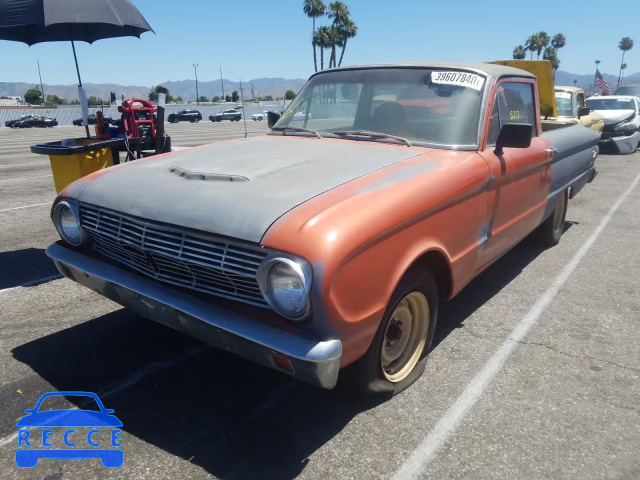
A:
[514,135]
[583,111]
[272,118]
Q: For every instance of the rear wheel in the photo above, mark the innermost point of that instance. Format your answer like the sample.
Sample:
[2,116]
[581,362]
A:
[397,357]
[550,231]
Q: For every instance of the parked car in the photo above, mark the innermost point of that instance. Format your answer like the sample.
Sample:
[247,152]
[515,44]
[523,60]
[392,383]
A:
[41,122]
[301,115]
[259,116]
[633,90]
[328,245]
[11,123]
[93,120]
[621,122]
[230,114]
[571,106]
[193,116]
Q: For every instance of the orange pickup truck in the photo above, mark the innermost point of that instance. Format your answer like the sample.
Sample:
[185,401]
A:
[330,242]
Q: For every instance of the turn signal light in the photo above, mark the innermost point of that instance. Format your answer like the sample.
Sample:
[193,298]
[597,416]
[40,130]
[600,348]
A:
[282,362]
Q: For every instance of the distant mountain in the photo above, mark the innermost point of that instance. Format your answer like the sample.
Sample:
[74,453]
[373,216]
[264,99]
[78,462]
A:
[586,81]
[261,87]
[184,88]
[70,92]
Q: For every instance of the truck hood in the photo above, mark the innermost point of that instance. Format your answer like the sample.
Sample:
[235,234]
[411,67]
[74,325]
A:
[237,189]
[614,116]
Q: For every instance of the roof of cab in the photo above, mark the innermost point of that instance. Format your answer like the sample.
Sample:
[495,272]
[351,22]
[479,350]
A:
[568,89]
[493,70]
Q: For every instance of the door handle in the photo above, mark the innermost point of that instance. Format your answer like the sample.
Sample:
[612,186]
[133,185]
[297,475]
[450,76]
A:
[551,152]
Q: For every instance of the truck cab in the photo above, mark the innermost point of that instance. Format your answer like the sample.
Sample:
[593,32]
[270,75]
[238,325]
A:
[571,106]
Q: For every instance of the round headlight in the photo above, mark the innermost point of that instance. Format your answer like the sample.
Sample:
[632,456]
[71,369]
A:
[286,290]
[67,224]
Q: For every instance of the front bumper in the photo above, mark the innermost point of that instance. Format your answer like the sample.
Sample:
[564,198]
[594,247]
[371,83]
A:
[313,361]
[620,144]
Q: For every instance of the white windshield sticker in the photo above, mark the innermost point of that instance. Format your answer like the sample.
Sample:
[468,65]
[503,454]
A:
[563,95]
[460,79]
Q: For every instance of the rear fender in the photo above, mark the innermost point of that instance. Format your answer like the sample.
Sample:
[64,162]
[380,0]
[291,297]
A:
[571,167]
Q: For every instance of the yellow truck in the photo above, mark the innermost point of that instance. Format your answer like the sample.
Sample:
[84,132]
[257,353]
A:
[559,106]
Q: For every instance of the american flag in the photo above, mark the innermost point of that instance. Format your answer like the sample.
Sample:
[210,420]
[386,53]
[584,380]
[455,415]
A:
[600,83]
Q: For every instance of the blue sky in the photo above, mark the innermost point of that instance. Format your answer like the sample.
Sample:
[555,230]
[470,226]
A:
[258,38]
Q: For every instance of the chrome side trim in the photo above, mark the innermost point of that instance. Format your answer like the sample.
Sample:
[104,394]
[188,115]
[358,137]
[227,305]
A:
[315,361]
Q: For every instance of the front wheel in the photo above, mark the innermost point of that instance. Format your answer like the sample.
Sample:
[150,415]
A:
[550,231]
[397,357]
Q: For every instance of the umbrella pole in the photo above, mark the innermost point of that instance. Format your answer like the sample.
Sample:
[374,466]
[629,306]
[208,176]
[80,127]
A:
[86,127]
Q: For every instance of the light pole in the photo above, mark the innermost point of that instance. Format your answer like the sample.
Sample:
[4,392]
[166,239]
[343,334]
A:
[593,91]
[222,84]
[195,68]
[41,86]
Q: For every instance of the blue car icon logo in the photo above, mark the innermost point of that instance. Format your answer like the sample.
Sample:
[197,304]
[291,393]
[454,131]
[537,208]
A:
[60,437]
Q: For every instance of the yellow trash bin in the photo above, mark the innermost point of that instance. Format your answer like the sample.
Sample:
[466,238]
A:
[75,158]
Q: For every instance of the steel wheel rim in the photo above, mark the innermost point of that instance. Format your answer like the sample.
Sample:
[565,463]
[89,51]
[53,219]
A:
[405,337]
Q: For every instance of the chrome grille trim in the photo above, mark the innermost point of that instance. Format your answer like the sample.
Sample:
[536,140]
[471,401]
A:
[173,255]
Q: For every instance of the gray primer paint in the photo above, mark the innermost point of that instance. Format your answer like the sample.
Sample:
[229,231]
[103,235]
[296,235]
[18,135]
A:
[573,161]
[281,172]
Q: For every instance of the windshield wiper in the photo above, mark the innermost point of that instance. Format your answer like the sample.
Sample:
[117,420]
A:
[367,133]
[297,129]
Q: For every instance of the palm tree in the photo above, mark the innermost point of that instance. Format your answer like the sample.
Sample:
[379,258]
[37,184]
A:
[555,65]
[575,81]
[532,44]
[314,9]
[625,45]
[551,54]
[558,41]
[543,42]
[321,40]
[624,67]
[335,40]
[348,30]
[519,53]
[339,12]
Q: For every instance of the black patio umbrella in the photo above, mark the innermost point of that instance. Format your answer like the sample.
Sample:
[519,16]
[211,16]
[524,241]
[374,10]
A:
[37,21]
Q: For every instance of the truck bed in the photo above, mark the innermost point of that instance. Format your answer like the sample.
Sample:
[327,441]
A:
[573,165]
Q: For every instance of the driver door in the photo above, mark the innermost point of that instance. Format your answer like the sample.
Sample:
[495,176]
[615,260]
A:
[520,177]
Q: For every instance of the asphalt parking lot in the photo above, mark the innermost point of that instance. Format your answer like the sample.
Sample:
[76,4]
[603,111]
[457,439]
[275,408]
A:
[535,373]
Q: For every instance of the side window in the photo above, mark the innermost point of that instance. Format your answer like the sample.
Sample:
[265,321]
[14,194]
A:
[516,103]
[580,99]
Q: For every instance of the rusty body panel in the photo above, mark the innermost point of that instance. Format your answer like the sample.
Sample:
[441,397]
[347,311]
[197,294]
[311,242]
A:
[362,227]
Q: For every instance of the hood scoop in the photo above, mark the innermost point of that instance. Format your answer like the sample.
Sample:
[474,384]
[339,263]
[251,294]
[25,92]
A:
[218,177]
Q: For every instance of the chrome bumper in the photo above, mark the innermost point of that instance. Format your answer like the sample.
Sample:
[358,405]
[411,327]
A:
[313,361]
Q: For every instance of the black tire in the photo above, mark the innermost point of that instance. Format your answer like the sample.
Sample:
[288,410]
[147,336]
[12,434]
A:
[550,231]
[366,375]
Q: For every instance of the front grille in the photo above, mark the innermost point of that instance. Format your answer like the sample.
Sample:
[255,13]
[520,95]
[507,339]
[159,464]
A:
[170,254]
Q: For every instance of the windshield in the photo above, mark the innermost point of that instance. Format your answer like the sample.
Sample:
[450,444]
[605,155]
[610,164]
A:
[628,90]
[564,104]
[423,105]
[610,104]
